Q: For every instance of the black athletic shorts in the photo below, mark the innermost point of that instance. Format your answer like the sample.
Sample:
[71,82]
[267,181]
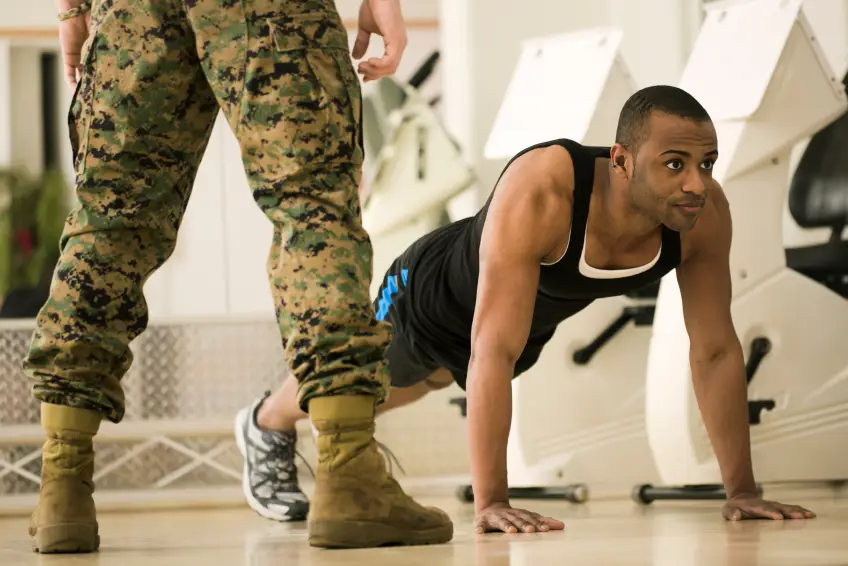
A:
[408,365]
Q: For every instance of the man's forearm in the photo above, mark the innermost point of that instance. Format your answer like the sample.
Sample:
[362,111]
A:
[489,418]
[722,393]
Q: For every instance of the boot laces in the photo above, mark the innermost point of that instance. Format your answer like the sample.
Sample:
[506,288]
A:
[391,459]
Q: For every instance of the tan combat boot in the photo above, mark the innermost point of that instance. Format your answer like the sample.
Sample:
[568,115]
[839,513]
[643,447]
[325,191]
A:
[65,519]
[356,503]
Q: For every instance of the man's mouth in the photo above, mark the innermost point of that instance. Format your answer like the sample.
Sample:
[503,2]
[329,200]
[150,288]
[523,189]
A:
[690,207]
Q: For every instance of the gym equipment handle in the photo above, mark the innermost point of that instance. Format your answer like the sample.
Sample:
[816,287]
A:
[424,71]
[641,315]
[760,348]
[756,408]
[462,403]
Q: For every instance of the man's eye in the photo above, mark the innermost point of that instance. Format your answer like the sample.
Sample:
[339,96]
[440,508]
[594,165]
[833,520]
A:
[708,164]
[674,164]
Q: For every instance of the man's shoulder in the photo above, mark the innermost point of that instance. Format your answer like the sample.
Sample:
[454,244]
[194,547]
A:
[547,165]
[543,176]
[531,205]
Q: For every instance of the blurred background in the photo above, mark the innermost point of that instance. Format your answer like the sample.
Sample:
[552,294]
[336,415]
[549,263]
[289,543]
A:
[223,240]
[212,345]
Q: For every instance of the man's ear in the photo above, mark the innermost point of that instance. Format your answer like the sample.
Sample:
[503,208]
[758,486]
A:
[621,160]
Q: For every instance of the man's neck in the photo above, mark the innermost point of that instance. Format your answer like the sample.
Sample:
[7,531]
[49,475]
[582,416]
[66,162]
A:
[618,219]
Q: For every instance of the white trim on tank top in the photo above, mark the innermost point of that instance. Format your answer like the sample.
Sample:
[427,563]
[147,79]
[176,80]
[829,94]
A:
[590,272]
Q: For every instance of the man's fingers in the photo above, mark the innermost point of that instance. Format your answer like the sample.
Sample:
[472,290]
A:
[370,73]
[360,46]
[71,76]
[380,66]
[488,523]
[796,512]
[511,520]
[762,511]
[540,523]
[505,524]
[766,511]
[552,523]
[759,509]
[524,521]
[384,66]
[530,522]
[732,514]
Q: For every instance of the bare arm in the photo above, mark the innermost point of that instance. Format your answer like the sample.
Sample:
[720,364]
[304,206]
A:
[715,354]
[526,219]
[718,368]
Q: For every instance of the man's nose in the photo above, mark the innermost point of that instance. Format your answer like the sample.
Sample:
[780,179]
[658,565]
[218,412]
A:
[694,185]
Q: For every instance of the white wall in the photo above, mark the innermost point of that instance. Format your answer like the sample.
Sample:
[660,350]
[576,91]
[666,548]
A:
[21,118]
[26,122]
[6,109]
[28,15]
[412,9]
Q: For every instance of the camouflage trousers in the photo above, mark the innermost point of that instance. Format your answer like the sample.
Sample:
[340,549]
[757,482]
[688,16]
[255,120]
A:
[156,74]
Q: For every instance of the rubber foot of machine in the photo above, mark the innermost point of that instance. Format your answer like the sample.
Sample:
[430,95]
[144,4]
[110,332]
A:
[575,493]
[646,494]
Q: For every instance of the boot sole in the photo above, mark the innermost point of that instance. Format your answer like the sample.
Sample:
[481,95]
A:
[365,534]
[67,538]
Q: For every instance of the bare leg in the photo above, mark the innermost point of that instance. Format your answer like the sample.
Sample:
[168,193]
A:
[280,411]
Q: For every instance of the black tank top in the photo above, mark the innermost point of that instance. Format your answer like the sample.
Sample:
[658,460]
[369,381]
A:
[443,268]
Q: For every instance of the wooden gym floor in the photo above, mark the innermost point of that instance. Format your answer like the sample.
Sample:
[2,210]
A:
[599,533]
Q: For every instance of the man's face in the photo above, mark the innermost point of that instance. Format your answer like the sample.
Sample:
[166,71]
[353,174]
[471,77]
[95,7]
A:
[672,170]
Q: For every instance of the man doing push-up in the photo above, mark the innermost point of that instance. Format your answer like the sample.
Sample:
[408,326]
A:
[474,302]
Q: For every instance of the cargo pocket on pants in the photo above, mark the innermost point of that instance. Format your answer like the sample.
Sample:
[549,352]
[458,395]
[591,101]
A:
[319,92]
[81,111]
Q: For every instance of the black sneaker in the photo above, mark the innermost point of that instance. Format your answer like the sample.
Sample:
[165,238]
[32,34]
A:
[269,479]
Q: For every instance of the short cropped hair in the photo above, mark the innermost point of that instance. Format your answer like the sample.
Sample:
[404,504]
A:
[633,120]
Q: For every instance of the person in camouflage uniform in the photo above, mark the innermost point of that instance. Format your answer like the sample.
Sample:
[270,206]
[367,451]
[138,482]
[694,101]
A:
[150,78]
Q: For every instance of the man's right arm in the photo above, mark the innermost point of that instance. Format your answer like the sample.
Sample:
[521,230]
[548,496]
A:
[527,220]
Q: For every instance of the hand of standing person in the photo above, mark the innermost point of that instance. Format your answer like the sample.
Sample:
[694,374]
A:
[73,33]
[384,18]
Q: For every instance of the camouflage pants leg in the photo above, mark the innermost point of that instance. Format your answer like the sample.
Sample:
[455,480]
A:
[282,72]
[139,121]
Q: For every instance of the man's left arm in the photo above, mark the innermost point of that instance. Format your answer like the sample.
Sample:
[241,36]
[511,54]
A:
[717,363]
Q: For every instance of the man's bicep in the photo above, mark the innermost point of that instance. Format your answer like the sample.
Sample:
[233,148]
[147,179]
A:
[515,239]
[706,291]
[523,225]
[506,296]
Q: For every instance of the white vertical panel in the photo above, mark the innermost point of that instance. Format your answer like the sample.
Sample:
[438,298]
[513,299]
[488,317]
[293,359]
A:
[26,117]
[193,282]
[5,102]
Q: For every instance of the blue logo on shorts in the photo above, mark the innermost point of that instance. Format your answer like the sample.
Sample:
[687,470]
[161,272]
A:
[390,288]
